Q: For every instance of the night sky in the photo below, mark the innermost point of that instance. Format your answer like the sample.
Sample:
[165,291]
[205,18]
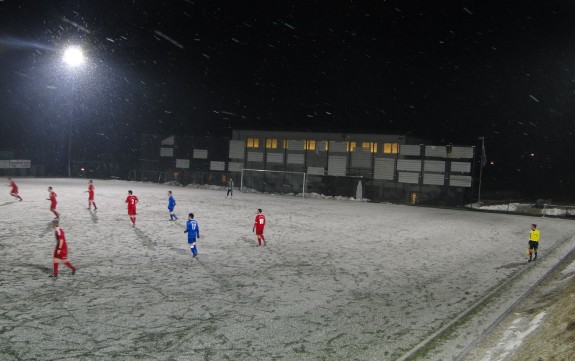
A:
[445,71]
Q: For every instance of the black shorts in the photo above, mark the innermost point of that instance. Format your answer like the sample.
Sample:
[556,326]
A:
[533,245]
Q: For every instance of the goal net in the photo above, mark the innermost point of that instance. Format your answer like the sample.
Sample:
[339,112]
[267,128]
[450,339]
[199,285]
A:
[148,176]
[271,181]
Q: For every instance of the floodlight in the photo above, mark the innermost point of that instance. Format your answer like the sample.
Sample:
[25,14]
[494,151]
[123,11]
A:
[73,56]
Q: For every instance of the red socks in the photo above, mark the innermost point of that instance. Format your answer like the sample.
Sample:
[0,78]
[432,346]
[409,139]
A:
[56,268]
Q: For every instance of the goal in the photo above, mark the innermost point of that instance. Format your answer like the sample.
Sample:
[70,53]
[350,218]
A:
[272,181]
[148,176]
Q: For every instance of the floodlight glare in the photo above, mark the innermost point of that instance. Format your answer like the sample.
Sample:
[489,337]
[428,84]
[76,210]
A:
[73,56]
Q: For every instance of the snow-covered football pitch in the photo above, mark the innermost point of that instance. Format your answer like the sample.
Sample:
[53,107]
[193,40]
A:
[338,279]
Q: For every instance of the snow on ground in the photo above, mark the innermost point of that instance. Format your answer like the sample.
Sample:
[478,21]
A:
[338,280]
[504,207]
[569,270]
[515,207]
[514,337]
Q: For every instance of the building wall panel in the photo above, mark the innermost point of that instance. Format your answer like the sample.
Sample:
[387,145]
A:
[384,168]
[235,166]
[361,159]
[337,165]
[169,140]
[434,179]
[436,151]
[255,156]
[406,149]
[237,149]
[295,158]
[316,160]
[166,152]
[316,170]
[295,145]
[460,167]
[337,147]
[275,157]
[412,165]
[183,163]
[462,152]
[408,177]
[200,154]
[434,166]
[217,165]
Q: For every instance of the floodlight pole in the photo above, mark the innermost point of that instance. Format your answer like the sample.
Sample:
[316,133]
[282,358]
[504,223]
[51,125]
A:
[73,57]
[70,149]
[481,168]
[70,127]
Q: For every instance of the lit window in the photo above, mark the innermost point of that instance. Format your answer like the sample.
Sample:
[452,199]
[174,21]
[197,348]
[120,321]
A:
[271,143]
[253,143]
[309,145]
[390,148]
[351,146]
[369,147]
[285,144]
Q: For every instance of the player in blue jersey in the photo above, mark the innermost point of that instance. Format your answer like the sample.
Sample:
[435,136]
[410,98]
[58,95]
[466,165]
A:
[193,231]
[171,206]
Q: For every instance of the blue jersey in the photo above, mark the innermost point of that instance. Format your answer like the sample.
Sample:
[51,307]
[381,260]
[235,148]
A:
[171,203]
[192,229]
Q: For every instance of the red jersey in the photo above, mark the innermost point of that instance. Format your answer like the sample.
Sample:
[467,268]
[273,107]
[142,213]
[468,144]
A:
[260,221]
[60,236]
[132,201]
[91,192]
[53,196]
[14,186]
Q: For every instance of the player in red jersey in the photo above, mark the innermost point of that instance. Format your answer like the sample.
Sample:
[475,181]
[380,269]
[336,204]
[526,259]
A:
[61,250]
[14,191]
[52,198]
[259,225]
[132,200]
[90,192]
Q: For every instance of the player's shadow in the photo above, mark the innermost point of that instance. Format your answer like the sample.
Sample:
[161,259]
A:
[94,216]
[248,240]
[7,203]
[37,266]
[47,229]
[146,240]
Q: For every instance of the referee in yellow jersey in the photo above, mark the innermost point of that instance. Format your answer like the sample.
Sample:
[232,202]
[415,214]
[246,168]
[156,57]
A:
[533,242]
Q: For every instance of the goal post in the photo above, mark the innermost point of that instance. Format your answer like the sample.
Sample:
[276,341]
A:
[273,181]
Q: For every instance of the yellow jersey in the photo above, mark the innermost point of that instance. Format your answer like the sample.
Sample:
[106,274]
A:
[534,236]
